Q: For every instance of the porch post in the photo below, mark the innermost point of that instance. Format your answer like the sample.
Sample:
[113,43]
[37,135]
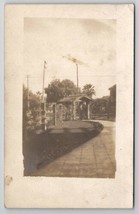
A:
[88,111]
[74,110]
[54,114]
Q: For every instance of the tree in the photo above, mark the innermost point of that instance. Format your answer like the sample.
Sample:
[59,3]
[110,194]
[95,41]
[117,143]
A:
[100,105]
[29,115]
[33,99]
[57,89]
[68,87]
[89,90]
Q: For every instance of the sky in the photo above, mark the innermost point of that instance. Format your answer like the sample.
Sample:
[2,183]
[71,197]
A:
[93,42]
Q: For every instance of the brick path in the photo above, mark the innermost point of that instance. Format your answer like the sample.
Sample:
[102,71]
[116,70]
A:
[95,158]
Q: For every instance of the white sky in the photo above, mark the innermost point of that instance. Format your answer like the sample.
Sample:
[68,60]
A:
[91,41]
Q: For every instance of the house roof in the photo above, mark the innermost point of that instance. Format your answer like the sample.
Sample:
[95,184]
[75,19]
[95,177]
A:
[75,98]
[113,87]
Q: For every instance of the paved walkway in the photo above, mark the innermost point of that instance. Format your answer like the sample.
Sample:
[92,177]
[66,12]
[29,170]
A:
[95,158]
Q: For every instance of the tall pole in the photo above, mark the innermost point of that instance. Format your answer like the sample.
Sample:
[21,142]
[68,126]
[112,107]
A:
[28,103]
[43,107]
[76,62]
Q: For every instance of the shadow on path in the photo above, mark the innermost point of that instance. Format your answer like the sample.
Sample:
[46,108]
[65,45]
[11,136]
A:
[42,149]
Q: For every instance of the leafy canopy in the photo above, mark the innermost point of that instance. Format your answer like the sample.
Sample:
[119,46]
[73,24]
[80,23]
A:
[57,89]
[89,90]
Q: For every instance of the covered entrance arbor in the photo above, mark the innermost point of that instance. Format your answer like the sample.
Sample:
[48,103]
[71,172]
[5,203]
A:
[75,107]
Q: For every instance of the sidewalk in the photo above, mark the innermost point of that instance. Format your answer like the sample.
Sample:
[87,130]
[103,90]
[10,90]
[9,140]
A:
[94,159]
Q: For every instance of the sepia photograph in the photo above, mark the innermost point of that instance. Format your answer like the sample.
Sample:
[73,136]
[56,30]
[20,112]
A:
[69,79]
[69,97]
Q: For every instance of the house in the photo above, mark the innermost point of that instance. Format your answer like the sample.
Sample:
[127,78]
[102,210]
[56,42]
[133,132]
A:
[112,101]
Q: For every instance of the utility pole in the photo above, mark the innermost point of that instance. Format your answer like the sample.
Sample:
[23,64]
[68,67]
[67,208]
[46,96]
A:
[76,62]
[28,98]
[43,102]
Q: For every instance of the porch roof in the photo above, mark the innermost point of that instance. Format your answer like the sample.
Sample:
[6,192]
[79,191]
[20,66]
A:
[75,98]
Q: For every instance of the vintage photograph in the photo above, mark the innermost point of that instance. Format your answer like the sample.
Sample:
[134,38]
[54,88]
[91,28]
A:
[69,80]
[69,97]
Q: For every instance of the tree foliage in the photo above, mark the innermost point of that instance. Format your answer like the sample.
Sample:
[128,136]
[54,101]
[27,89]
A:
[58,89]
[29,115]
[89,90]
[100,105]
[33,99]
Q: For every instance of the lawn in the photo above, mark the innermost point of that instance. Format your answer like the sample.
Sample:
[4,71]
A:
[42,149]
